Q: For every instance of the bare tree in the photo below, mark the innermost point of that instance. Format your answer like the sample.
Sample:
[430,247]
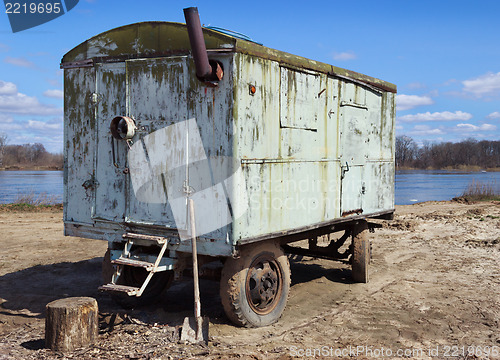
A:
[406,151]
[3,142]
[468,152]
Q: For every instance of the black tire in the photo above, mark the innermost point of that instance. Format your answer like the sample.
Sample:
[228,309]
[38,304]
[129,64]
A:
[132,276]
[107,268]
[254,288]
[360,252]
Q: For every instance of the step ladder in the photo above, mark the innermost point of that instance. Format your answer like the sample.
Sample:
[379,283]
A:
[125,260]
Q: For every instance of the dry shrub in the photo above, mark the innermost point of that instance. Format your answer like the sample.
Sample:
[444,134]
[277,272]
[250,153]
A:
[36,199]
[480,191]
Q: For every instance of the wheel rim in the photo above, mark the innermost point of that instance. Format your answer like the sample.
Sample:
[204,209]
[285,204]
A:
[263,284]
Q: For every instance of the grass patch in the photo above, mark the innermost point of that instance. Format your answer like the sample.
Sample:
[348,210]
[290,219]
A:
[35,199]
[479,191]
[30,208]
[466,168]
[32,202]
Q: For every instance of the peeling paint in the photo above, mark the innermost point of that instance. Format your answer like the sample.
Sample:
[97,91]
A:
[314,141]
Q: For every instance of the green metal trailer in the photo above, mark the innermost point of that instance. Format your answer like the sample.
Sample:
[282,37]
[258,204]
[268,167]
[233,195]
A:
[273,148]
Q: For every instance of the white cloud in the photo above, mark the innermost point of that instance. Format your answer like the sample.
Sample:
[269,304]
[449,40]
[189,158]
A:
[22,62]
[407,102]
[14,102]
[344,56]
[437,116]
[4,48]
[56,94]
[484,85]
[7,88]
[4,119]
[7,128]
[43,126]
[473,128]
[450,82]
[48,132]
[494,115]
[425,130]
[416,85]
[27,105]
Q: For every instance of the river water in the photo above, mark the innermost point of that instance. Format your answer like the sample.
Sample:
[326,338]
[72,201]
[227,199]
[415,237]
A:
[411,185]
[14,184]
[424,185]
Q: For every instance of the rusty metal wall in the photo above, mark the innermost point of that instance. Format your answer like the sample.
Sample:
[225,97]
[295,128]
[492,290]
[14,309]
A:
[109,201]
[79,145]
[311,146]
[157,93]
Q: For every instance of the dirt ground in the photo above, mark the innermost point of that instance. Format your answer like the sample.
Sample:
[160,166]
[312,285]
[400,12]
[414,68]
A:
[434,292]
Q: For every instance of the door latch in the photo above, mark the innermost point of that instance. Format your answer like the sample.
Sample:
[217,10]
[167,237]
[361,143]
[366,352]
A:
[344,169]
[95,98]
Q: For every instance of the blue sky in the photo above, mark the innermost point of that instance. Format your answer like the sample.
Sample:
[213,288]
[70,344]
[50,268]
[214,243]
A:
[444,56]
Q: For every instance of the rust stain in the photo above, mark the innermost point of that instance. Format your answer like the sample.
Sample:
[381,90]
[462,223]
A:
[352,212]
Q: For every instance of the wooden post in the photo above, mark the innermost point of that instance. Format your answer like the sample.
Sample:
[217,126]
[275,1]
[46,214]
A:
[71,323]
[197,302]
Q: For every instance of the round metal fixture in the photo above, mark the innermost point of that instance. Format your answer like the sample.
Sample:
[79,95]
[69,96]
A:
[122,128]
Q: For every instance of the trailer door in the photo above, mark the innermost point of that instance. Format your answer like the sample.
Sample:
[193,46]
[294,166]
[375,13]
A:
[111,155]
[157,100]
[353,147]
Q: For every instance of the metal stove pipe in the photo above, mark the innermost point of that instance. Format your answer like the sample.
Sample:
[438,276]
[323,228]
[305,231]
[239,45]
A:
[203,69]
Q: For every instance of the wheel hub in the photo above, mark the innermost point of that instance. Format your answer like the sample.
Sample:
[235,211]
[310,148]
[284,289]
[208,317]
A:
[263,285]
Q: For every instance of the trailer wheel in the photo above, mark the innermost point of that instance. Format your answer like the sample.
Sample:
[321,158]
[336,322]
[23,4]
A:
[254,287]
[131,276]
[360,252]
[107,267]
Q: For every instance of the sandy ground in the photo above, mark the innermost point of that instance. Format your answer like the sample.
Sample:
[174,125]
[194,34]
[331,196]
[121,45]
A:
[434,292]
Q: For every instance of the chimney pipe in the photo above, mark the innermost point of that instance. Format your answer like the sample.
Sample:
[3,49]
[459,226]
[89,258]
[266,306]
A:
[204,70]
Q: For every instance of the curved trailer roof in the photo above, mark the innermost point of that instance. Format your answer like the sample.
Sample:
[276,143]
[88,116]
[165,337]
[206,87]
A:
[158,39]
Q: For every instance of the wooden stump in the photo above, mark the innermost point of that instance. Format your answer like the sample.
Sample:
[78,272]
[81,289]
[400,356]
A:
[71,323]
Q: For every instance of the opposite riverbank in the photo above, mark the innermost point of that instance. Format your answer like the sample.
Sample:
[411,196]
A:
[460,168]
[31,168]
[463,168]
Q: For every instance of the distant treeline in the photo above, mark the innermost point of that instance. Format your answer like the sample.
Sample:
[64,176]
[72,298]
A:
[467,154]
[29,156]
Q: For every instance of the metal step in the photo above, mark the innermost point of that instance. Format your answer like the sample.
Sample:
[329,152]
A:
[160,240]
[135,263]
[129,290]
